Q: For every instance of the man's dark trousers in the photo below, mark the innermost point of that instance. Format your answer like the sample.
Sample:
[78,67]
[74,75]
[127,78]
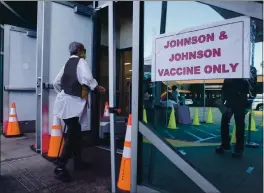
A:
[72,142]
[236,108]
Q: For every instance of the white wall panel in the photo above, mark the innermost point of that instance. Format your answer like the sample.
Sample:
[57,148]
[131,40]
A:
[66,27]
[19,73]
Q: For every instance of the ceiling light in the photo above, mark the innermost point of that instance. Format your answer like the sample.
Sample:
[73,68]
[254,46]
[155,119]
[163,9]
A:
[127,63]
[130,70]
[128,78]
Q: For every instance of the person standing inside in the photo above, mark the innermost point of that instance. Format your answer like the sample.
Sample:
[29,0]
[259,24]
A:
[72,84]
[235,92]
[175,94]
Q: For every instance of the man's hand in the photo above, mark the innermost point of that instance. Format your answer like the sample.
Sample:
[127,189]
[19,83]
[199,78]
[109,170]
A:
[100,89]
[84,93]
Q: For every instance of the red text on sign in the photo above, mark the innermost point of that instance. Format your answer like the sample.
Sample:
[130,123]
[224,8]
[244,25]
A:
[208,53]
[208,69]
[189,41]
[179,71]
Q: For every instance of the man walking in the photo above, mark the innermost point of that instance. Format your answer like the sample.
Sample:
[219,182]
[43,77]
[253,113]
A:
[72,85]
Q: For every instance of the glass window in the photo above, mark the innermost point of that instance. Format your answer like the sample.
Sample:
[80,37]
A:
[187,114]
[125,82]
[123,71]
[160,173]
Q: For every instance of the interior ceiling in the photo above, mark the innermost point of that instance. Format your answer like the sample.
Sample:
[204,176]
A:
[27,10]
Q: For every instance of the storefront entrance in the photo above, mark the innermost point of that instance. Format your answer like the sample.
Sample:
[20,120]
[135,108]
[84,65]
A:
[167,154]
[123,53]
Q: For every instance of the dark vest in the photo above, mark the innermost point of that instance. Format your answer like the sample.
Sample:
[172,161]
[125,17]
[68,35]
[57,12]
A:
[69,80]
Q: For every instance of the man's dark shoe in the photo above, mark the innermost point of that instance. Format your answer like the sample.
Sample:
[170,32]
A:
[62,174]
[221,149]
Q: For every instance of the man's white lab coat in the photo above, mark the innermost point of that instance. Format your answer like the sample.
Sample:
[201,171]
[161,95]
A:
[68,106]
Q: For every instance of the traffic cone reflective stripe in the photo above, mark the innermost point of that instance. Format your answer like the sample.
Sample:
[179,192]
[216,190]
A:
[172,122]
[13,129]
[55,139]
[210,116]
[196,117]
[125,167]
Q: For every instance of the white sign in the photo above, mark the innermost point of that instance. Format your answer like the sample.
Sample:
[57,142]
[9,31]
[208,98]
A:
[215,51]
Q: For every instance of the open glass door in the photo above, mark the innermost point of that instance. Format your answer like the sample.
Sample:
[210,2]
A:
[178,138]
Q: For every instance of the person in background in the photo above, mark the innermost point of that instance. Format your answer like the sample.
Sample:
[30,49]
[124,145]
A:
[170,102]
[175,94]
[235,100]
[72,84]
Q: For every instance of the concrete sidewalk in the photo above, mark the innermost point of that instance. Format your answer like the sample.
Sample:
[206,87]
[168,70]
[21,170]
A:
[22,170]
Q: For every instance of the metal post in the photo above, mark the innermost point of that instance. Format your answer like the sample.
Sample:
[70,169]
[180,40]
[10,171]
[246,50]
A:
[112,87]
[39,62]
[135,86]
[162,31]
[42,70]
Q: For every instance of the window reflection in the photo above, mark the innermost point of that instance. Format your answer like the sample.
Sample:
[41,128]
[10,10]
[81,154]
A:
[194,127]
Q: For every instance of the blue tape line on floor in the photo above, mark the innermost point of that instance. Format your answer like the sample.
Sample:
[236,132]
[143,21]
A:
[249,170]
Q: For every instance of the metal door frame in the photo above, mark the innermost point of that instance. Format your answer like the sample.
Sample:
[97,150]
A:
[138,126]
[112,87]
[42,74]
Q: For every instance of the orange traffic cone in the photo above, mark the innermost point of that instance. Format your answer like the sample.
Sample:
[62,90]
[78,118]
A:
[124,174]
[56,141]
[106,110]
[13,129]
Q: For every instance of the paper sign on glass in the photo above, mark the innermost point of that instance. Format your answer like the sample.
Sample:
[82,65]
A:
[215,51]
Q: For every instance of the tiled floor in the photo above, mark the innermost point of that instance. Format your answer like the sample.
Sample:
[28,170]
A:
[22,170]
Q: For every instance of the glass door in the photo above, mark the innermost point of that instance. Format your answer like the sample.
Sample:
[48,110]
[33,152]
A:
[177,141]
[125,82]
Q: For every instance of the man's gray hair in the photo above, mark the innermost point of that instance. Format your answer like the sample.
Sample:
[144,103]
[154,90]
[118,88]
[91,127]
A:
[74,47]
